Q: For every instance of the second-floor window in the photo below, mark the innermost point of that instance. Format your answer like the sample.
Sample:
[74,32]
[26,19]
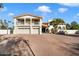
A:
[35,21]
[20,21]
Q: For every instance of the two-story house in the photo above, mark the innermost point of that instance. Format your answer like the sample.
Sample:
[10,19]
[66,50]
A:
[27,24]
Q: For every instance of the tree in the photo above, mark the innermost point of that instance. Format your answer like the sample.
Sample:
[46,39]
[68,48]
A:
[68,26]
[57,21]
[3,24]
[74,25]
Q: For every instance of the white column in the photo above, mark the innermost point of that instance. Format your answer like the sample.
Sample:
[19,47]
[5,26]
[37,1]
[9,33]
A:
[30,25]
[15,25]
[40,26]
[15,22]
[24,21]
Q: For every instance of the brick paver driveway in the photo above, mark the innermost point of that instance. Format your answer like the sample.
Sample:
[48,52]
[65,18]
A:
[51,44]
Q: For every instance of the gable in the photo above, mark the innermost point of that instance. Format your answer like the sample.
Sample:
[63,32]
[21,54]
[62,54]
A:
[27,16]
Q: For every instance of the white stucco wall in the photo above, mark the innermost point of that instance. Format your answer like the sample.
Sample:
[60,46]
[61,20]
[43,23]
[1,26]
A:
[63,27]
[70,31]
[24,31]
[4,32]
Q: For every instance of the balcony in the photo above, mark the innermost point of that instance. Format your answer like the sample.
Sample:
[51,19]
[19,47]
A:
[27,24]
[19,24]
[36,24]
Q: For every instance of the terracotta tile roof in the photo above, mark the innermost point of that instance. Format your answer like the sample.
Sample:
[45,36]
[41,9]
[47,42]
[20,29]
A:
[45,24]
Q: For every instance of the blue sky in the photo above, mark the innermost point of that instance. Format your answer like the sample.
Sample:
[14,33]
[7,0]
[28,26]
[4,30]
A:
[68,12]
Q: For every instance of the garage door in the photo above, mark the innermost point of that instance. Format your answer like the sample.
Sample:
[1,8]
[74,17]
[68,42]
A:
[23,31]
[35,31]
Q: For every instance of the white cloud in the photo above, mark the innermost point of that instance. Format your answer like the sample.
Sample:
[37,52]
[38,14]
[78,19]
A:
[44,9]
[11,14]
[62,10]
[77,14]
[70,4]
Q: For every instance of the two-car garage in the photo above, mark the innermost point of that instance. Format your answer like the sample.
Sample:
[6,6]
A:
[35,31]
[27,31]
[22,31]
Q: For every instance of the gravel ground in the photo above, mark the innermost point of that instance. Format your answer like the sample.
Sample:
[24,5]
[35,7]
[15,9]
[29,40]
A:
[51,44]
[14,47]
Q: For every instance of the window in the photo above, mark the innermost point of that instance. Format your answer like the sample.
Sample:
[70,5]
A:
[36,22]
[20,21]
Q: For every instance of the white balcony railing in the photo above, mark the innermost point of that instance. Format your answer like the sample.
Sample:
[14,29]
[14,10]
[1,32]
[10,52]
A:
[27,24]
[20,24]
[35,24]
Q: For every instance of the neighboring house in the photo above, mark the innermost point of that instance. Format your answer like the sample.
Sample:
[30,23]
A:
[61,27]
[44,27]
[50,26]
[27,24]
